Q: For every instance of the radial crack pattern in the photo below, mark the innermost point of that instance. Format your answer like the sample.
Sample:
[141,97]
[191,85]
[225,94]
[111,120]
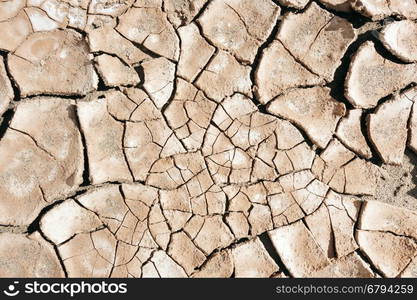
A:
[208,138]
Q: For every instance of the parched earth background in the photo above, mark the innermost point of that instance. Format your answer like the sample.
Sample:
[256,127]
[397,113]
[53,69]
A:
[208,138]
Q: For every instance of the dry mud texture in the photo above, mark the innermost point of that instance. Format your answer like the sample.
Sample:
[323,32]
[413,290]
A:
[222,138]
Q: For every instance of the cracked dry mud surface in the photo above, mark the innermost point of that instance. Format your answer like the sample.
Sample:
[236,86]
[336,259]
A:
[208,138]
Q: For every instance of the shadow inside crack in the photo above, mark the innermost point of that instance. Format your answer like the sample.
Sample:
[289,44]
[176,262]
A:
[269,247]
[413,159]
[5,121]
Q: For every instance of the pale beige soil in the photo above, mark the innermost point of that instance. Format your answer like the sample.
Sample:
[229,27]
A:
[208,138]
